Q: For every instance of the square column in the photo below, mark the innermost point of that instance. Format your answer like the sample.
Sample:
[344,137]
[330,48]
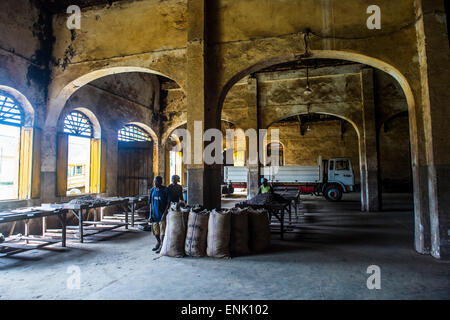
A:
[204,182]
[434,60]
[370,196]
[253,175]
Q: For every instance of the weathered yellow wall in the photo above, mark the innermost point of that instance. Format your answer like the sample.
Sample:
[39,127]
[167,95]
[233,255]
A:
[322,139]
[124,29]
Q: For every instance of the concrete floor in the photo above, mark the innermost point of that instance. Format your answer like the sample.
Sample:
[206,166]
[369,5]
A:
[327,260]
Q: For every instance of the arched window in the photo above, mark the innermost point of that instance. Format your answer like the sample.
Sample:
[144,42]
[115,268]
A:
[133,133]
[275,148]
[77,124]
[11,120]
[81,157]
[10,111]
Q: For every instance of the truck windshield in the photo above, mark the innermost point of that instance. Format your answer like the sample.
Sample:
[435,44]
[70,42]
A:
[342,165]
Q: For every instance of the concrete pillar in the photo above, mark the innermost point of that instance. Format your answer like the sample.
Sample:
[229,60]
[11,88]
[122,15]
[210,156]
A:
[434,59]
[253,175]
[370,196]
[161,158]
[204,185]
[112,159]
[48,164]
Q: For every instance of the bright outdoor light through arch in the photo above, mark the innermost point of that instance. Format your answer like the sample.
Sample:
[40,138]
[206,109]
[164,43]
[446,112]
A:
[79,128]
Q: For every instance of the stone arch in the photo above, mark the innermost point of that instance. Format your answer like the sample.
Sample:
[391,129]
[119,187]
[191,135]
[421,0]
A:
[353,123]
[57,103]
[27,108]
[169,131]
[339,55]
[266,148]
[326,54]
[342,117]
[390,118]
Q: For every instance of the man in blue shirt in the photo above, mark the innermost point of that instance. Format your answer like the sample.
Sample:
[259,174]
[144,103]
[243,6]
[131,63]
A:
[159,204]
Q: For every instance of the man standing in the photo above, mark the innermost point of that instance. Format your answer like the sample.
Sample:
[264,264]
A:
[175,190]
[159,204]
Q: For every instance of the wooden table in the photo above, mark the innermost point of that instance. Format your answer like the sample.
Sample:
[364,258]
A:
[133,202]
[77,210]
[26,215]
[293,196]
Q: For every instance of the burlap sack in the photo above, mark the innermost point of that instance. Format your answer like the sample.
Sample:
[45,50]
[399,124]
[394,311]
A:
[219,227]
[186,211]
[259,229]
[195,244]
[239,232]
[173,243]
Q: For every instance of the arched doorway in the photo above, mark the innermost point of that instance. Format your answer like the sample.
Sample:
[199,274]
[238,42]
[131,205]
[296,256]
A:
[349,93]
[135,160]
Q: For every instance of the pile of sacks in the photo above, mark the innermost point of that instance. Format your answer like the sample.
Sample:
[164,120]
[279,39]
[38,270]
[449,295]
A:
[195,232]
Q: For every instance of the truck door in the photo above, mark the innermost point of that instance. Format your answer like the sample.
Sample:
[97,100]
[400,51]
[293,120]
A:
[330,170]
[343,172]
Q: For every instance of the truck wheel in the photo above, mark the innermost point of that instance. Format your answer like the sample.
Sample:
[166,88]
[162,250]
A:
[333,193]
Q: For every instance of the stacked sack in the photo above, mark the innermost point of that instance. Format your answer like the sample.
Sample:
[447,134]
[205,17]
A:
[219,229]
[195,245]
[239,232]
[196,232]
[176,225]
[259,230]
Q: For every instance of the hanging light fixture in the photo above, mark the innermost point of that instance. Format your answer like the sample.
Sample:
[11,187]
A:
[308,90]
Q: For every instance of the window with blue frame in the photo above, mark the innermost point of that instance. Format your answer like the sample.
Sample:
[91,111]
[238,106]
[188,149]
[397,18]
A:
[77,124]
[133,133]
[11,121]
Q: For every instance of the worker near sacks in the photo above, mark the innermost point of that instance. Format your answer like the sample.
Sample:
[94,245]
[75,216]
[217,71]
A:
[175,190]
[265,187]
[159,205]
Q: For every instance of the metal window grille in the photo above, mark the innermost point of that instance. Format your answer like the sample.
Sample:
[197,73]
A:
[77,124]
[133,133]
[10,111]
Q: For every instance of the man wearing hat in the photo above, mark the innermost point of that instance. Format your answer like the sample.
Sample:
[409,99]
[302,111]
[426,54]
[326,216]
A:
[265,187]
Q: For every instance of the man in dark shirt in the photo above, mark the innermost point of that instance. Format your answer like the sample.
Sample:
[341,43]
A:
[159,204]
[175,190]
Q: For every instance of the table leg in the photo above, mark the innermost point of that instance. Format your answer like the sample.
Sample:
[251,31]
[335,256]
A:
[44,226]
[133,208]
[80,224]
[290,210]
[27,231]
[126,217]
[282,223]
[63,219]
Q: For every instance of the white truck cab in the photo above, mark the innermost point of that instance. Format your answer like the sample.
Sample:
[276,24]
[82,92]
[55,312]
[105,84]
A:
[340,170]
[330,178]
